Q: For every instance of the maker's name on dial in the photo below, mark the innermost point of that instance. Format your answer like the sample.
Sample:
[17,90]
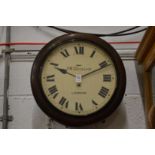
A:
[76,68]
[79,93]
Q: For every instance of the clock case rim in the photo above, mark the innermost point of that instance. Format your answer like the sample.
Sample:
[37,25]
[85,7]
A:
[69,119]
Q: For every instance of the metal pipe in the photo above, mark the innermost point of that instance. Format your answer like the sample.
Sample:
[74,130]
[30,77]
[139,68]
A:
[5,116]
[8,36]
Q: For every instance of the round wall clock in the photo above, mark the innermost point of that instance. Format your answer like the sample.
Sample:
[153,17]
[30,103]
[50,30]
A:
[78,79]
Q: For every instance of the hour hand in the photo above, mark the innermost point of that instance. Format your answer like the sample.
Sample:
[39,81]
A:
[64,71]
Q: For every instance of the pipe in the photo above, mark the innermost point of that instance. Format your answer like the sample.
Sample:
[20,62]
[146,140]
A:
[44,43]
[6,80]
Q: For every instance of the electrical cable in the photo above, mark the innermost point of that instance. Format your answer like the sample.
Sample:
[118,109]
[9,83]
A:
[130,33]
[119,33]
[69,31]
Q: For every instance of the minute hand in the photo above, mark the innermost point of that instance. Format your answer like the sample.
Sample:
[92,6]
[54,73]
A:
[95,70]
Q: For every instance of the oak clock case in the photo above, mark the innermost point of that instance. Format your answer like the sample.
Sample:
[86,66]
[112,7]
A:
[78,79]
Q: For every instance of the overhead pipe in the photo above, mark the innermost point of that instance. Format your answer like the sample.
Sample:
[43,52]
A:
[44,43]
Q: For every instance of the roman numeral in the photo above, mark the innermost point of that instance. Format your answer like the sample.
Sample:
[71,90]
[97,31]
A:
[103,64]
[103,92]
[94,102]
[107,77]
[50,78]
[79,50]
[65,53]
[54,64]
[55,95]
[53,90]
[93,53]
[78,107]
[64,102]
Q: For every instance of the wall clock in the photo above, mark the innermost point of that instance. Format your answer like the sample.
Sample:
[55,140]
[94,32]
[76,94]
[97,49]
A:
[78,79]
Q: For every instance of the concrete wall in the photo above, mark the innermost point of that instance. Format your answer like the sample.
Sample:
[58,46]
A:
[25,111]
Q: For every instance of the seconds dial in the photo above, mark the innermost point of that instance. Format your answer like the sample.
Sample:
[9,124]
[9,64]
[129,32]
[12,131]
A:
[78,78]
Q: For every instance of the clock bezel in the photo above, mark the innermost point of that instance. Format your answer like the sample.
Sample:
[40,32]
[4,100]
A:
[69,119]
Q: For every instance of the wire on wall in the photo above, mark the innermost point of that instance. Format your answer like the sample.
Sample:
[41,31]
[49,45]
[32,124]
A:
[115,34]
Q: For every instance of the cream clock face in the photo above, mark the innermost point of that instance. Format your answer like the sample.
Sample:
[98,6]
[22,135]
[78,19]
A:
[78,78]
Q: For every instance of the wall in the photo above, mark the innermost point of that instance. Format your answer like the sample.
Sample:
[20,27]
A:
[25,111]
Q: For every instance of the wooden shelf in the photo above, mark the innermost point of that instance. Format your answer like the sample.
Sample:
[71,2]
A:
[145,56]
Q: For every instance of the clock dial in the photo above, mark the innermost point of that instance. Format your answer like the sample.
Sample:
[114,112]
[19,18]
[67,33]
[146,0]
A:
[78,78]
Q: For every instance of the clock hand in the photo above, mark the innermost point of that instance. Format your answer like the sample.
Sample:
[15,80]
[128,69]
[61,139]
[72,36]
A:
[95,70]
[64,71]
